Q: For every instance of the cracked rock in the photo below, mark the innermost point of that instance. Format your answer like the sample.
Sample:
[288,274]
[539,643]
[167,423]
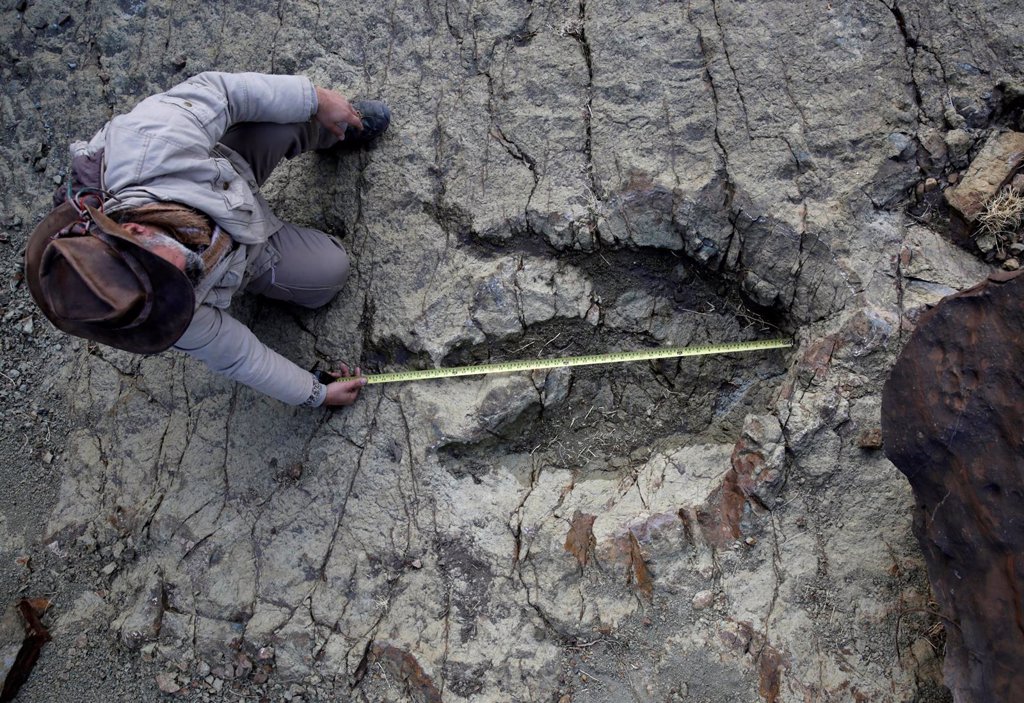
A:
[560,179]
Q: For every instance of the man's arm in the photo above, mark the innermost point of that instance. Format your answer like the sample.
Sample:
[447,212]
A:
[231,349]
[165,133]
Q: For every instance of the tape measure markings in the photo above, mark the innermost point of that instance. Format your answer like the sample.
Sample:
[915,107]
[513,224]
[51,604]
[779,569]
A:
[587,360]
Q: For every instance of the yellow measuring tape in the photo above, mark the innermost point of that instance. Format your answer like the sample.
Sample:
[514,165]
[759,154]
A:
[557,363]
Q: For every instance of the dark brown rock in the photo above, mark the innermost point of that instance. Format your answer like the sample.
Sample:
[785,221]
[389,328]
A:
[952,419]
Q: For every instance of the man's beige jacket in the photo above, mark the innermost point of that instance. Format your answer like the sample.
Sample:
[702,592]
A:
[166,149]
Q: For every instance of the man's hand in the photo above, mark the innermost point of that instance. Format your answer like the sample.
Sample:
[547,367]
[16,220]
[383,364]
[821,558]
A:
[344,392]
[335,112]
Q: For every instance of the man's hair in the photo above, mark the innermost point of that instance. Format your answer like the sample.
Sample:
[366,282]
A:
[188,229]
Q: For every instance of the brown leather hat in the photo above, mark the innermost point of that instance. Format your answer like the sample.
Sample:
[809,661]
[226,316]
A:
[102,286]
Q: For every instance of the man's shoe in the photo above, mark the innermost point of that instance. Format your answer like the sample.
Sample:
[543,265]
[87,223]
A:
[376,117]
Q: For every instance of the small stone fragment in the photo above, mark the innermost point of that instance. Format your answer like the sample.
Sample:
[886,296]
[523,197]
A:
[1011,264]
[110,568]
[986,243]
[703,599]
[953,118]
[243,665]
[417,564]
[870,438]
[958,143]
[750,541]
[265,654]
[580,540]
[167,682]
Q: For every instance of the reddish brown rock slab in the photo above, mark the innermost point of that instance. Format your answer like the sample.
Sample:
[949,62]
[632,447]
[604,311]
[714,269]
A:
[953,423]
[991,169]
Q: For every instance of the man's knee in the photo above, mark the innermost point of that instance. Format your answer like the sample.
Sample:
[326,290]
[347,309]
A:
[335,264]
[326,274]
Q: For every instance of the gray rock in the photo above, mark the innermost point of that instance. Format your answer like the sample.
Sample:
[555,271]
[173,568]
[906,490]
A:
[594,176]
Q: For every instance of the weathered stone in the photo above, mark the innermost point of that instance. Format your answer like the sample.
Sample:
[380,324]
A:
[167,682]
[991,169]
[951,417]
[703,599]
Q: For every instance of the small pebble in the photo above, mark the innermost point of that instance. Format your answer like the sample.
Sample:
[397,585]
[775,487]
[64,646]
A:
[702,599]
[167,682]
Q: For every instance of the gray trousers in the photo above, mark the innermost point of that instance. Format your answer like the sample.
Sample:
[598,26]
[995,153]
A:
[313,266]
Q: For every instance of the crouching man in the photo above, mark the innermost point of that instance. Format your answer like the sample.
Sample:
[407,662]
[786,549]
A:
[163,222]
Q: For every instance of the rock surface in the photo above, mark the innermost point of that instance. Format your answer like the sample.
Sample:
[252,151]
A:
[951,417]
[560,178]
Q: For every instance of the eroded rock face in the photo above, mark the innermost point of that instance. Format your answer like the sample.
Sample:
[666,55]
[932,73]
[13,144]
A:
[951,417]
[560,178]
